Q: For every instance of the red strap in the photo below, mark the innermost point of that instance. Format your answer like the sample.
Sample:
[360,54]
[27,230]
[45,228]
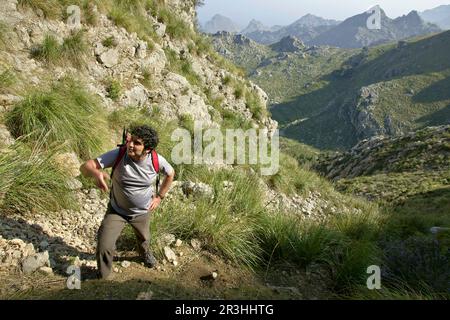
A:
[122,151]
[155,161]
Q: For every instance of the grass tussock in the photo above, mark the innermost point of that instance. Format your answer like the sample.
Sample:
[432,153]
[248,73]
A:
[132,15]
[50,8]
[182,66]
[5,30]
[7,79]
[73,50]
[31,180]
[66,112]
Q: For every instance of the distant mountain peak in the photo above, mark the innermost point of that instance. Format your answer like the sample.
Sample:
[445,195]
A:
[254,26]
[310,20]
[220,23]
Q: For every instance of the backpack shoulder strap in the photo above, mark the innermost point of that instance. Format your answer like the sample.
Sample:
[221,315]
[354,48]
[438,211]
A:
[155,160]
[155,163]
[122,151]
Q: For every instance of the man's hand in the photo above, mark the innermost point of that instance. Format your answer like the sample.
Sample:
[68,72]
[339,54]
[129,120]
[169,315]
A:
[155,203]
[101,180]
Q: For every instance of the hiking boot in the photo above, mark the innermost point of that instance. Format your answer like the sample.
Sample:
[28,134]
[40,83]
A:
[149,260]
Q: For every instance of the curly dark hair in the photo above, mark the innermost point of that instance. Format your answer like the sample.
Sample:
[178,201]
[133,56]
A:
[148,135]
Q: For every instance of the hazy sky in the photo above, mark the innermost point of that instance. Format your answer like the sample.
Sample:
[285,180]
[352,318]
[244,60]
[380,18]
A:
[284,12]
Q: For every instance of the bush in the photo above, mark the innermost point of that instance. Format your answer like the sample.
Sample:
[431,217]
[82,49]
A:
[30,180]
[113,89]
[226,80]
[65,112]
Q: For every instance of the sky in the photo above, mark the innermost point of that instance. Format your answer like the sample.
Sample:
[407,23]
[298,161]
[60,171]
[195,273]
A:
[284,12]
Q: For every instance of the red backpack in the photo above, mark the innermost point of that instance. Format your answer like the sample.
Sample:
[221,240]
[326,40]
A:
[126,138]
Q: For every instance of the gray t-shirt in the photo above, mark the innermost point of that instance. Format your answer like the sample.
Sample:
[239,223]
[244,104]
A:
[132,182]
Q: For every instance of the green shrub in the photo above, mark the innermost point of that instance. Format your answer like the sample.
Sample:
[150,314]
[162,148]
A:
[113,88]
[30,179]
[189,74]
[202,45]
[65,112]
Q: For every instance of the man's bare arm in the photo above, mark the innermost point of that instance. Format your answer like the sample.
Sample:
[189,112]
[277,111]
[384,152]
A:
[92,169]
[166,184]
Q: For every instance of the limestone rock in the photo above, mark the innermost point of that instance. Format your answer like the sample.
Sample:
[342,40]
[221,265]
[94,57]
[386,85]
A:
[109,58]
[34,262]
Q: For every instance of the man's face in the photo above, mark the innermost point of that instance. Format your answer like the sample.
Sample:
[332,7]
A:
[136,148]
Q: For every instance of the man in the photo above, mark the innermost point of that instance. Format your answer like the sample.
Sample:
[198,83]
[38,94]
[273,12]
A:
[131,197]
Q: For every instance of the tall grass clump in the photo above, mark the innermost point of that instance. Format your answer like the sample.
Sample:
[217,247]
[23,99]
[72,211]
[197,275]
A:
[4,35]
[73,50]
[67,112]
[89,15]
[176,27]
[225,221]
[182,66]
[50,8]
[30,179]
[253,103]
[319,244]
[132,15]
[7,79]
[113,88]
[49,51]
[292,178]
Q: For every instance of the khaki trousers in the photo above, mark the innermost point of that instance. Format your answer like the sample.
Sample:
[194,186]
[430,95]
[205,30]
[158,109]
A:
[108,233]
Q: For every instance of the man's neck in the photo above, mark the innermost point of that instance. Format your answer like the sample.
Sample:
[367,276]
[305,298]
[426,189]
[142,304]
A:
[138,159]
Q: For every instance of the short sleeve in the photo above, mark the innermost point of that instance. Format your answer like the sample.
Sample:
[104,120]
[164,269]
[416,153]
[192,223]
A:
[107,159]
[164,165]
